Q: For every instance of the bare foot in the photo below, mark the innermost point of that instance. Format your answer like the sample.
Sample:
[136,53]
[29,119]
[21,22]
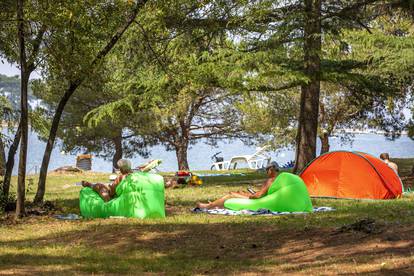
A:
[203,205]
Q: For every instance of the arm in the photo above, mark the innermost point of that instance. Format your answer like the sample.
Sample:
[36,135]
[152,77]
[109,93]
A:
[263,190]
[113,185]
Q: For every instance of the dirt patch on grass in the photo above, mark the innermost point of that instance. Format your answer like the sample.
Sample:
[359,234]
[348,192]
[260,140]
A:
[332,251]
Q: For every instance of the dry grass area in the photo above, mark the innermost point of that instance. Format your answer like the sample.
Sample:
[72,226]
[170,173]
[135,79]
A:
[185,243]
[47,246]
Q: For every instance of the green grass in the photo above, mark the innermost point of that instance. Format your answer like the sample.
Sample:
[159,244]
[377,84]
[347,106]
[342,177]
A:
[185,243]
[405,165]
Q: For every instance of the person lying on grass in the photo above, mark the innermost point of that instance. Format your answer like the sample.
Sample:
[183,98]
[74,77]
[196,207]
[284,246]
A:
[272,171]
[107,192]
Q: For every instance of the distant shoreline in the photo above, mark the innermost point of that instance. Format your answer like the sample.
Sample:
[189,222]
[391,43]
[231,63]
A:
[369,131]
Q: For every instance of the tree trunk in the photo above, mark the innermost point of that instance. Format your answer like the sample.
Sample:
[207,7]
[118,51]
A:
[24,81]
[181,153]
[2,158]
[21,175]
[10,161]
[309,100]
[324,137]
[118,152]
[41,187]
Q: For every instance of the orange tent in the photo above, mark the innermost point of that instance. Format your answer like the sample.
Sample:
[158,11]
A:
[343,174]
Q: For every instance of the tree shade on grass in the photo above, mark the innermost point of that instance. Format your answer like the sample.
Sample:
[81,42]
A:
[184,243]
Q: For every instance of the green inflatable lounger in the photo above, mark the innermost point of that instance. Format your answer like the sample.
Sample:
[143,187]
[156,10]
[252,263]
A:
[139,195]
[288,193]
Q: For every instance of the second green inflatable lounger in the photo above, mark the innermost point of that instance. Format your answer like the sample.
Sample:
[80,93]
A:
[139,195]
[288,193]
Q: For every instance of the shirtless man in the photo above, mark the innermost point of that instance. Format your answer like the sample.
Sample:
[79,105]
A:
[107,192]
[272,171]
[386,158]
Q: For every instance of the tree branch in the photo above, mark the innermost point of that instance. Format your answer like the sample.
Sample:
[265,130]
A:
[36,47]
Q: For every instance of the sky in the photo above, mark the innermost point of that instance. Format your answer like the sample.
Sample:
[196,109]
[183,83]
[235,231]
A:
[8,69]
[12,70]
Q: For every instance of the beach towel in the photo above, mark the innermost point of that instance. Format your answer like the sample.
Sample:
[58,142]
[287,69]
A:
[258,212]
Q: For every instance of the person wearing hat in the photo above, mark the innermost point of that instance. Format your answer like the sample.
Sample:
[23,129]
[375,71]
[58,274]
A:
[272,171]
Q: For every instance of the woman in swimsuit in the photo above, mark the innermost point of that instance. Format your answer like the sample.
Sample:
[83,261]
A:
[272,171]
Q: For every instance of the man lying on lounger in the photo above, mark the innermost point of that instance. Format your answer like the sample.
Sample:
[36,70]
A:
[272,171]
[107,192]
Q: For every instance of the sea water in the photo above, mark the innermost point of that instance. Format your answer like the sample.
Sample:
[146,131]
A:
[199,155]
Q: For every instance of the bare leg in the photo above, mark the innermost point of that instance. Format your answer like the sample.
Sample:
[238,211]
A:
[219,203]
[101,189]
[240,194]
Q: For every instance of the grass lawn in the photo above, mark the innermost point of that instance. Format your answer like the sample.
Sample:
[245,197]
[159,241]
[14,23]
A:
[186,243]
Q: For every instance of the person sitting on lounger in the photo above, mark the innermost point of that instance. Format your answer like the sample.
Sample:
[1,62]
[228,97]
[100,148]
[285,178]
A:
[107,192]
[386,158]
[272,171]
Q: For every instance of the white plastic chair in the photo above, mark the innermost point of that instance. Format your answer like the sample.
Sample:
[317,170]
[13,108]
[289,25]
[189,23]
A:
[254,161]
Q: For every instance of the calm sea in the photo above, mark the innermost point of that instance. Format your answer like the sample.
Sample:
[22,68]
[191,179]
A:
[199,156]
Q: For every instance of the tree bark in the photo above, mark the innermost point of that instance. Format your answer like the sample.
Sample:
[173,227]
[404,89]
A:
[181,150]
[50,141]
[324,137]
[309,101]
[2,158]
[10,161]
[181,142]
[24,80]
[118,152]
[21,175]
[41,187]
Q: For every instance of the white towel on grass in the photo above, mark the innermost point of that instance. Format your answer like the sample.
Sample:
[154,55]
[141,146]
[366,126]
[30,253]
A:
[258,212]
